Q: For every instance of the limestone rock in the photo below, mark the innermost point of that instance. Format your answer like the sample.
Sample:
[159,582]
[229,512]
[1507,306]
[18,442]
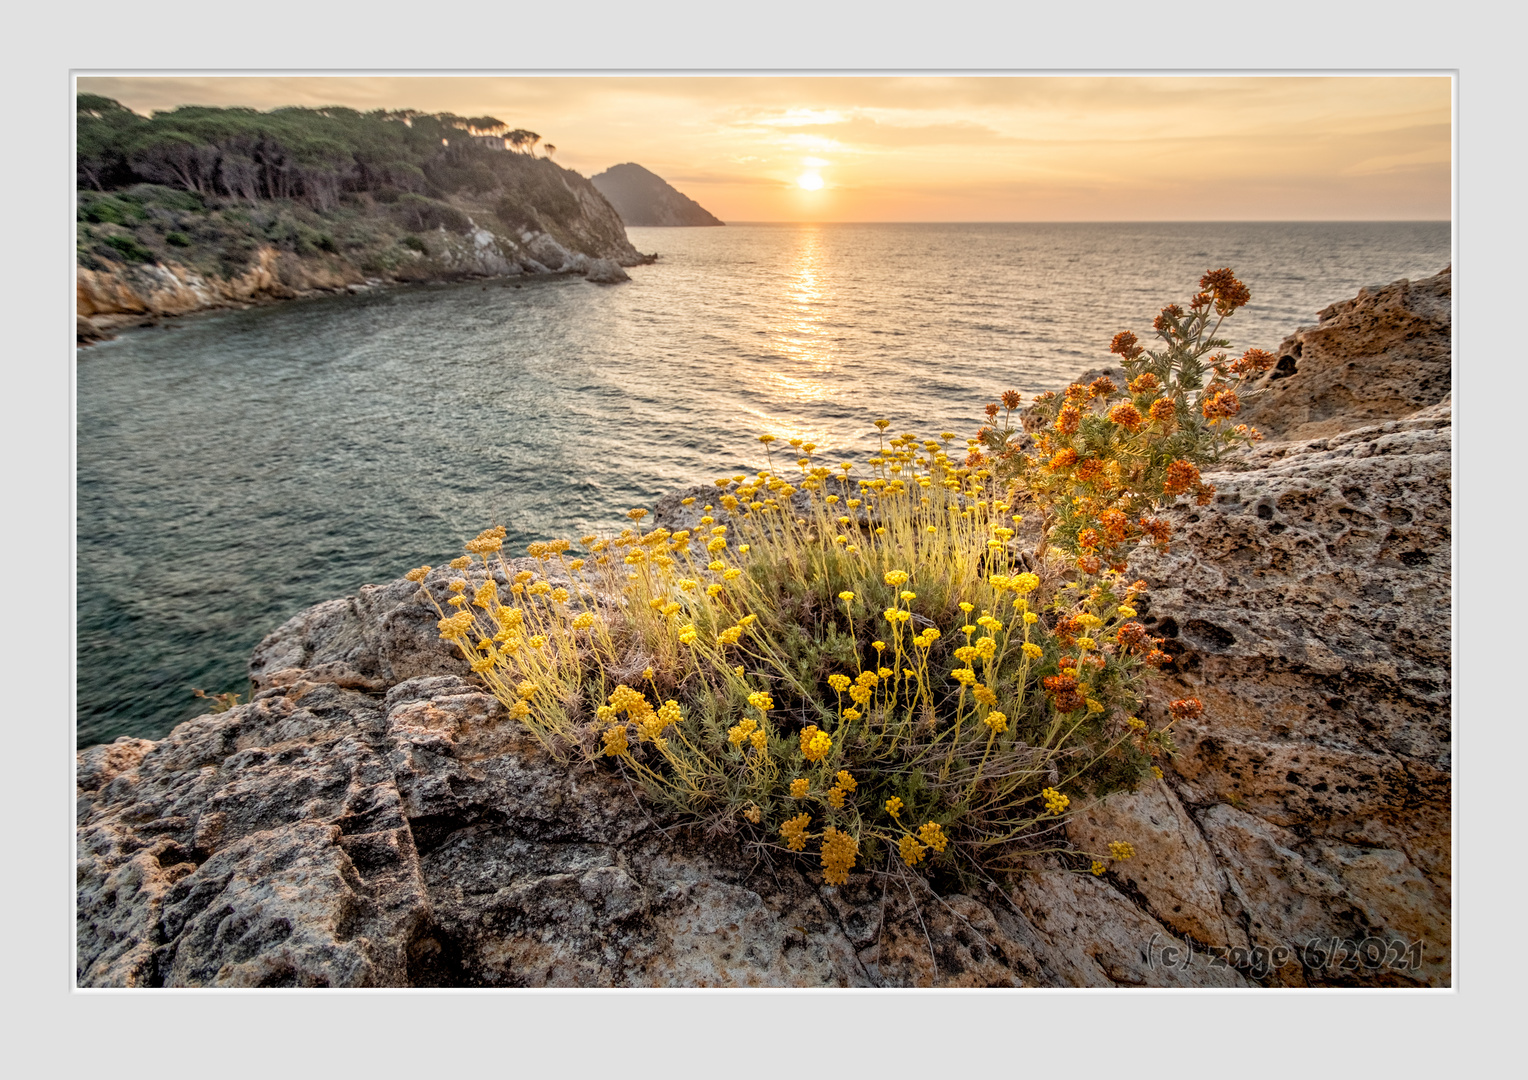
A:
[1379,356]
[606,272]
[373,817]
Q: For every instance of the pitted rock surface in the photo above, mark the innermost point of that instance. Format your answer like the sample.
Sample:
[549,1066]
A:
[373,818]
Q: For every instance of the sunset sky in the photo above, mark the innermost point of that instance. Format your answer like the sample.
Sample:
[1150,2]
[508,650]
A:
[948,148]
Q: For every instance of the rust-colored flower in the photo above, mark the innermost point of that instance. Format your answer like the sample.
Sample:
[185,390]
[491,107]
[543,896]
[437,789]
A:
[1144,383]
[1064,460]
[1090,564]
[1162,412]
[1185,708]
[1253,360]
[991,410]
[1069,418]
[1220,405]
[1124,344]
[1158,529]
[1133,637]
[1102,386]
[1127,416]
[1088,539]
[1116,525]
[1181,475]
[1011,399]
[1089,470]
[1229,293]
[1164,321]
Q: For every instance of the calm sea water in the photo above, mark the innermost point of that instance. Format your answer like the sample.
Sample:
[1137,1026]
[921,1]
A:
[244,465]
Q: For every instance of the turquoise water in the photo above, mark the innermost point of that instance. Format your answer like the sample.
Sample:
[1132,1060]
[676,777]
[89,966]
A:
[244,465]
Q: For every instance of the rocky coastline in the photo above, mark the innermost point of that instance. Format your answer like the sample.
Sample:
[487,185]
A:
[373,818]
[585,238]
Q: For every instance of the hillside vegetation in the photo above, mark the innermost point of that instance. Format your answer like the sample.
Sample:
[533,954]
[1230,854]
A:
[337,195]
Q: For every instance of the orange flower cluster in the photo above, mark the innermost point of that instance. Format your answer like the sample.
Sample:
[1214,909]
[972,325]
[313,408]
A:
[1124,344]
[1065,696]
[1219,403]
[1127,416]
[1181,475]
[1228,293]
[1185,708]
[1251,362]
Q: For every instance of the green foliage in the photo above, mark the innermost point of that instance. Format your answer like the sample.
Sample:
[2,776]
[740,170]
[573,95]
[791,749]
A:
[177,239]
[316,156]
[130,249]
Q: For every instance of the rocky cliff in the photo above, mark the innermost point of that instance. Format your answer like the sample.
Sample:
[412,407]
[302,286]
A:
[373,818]
[151,253]
[645,198]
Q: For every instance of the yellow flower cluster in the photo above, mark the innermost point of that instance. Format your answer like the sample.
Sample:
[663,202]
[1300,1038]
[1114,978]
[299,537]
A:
[996,721]
[839,852]
[739,733]
[894,805]
[799,787]
[815,744]
[761,701]
[793,832]
[1121,850]
[615,741]
[911,851]
[1055,802]
[932,835]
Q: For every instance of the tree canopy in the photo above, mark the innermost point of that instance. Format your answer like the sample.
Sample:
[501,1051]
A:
[311,155]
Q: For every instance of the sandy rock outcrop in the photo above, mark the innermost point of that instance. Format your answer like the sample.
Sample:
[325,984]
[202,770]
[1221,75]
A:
[1379,356]
[373,818]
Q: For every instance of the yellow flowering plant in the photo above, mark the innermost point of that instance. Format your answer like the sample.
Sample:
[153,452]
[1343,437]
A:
[864,658]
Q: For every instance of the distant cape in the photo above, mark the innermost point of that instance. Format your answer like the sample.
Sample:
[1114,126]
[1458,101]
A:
[644,198]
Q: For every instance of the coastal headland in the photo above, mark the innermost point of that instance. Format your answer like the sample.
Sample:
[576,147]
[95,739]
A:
[203,208]
[374,818]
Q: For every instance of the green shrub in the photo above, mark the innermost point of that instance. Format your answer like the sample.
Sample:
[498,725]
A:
[130,249]
[109,209]
[177,239]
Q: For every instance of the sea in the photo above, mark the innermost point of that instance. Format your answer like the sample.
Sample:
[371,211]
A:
[236,467]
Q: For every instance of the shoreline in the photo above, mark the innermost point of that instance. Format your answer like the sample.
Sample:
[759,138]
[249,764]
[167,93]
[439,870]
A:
[109,302]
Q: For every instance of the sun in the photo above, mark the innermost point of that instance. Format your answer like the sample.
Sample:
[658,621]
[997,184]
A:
[809,180]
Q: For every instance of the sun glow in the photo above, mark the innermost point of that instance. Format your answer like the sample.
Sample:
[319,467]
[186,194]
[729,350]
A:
[810,181]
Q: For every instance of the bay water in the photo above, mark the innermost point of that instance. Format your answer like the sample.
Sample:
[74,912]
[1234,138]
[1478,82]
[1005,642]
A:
[236,467]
